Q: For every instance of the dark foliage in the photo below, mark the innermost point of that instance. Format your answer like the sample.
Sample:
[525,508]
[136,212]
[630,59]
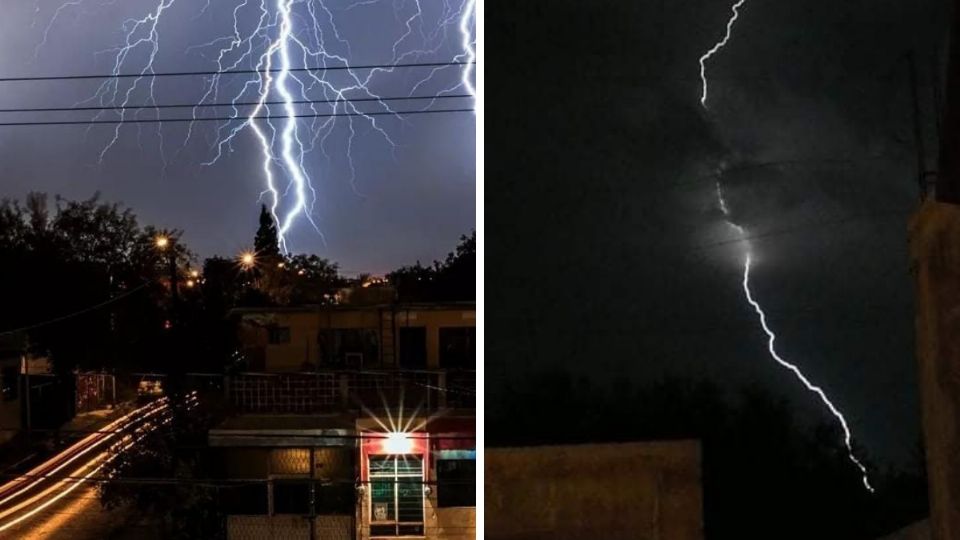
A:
[454,279]
[166,476]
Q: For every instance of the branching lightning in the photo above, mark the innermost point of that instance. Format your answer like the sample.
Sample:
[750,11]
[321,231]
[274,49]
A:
[713,50]
[277,39]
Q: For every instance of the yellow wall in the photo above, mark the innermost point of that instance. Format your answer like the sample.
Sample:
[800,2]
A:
[304,327]
[632,490]
[935,259]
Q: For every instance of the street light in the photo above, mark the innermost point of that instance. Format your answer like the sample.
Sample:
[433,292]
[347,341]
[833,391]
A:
[162,241]
[248,259]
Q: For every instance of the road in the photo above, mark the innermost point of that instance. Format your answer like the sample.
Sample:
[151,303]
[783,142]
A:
[55,498]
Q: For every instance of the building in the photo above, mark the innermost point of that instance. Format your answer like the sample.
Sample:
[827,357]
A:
[354,421]
[622,490]
[405,336]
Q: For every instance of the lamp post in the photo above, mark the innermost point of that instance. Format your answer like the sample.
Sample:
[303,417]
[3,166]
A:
[165,243]
[248,262]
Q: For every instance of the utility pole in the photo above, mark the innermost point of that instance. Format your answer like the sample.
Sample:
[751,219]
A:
[174,294]
[948,177]
[917,128]
[26,392]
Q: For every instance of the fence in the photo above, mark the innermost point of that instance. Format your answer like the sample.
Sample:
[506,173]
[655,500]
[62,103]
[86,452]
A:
[329,391]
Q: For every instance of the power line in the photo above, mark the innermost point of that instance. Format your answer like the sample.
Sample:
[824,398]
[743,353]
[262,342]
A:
[227,118]
[800,228]
[387,67]
[76,313]
[238,104]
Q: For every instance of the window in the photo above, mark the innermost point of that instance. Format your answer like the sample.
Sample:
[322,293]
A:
[246,499]
[334,498]
[413,347]
[291,497]
[456,482]
[278,334]
[458,347]
[349,347]
[396,495]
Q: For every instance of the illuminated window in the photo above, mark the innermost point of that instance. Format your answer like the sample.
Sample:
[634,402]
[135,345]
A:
[396,496]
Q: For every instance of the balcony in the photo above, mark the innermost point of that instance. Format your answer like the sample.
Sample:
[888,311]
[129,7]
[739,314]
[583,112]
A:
[337,391]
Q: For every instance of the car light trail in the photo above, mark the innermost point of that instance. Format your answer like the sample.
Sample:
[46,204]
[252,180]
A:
[42,487]
[77,450]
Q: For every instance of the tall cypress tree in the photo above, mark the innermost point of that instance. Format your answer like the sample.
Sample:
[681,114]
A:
[267,242]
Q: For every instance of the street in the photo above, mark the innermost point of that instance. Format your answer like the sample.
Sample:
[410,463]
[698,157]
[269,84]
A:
[58,497]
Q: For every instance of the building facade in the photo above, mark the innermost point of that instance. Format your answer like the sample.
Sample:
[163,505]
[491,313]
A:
[611,491]
[353,422]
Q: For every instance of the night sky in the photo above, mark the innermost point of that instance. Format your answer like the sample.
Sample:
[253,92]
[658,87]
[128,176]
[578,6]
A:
[407,202]
[606,250]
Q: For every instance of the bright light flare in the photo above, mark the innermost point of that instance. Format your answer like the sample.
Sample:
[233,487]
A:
[162,241]
[248,259]
[398,443]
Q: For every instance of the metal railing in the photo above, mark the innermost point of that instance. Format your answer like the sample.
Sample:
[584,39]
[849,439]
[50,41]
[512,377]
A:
[331,391]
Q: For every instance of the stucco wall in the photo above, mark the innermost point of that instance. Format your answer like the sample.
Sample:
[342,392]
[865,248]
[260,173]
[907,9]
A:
[452,523]
[302,350]
[935,260]
[631,490]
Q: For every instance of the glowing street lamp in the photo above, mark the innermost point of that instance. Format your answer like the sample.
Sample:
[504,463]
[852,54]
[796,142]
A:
[162,241]
[248,259]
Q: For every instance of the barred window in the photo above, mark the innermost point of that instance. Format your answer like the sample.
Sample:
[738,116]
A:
[396,495]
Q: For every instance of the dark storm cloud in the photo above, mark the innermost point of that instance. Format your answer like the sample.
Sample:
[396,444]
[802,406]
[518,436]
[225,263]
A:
[407,203]
[602,179]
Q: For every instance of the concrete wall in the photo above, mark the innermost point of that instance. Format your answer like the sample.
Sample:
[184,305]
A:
[288,528]
[917,531]
[451,523]
[641,491]
[267,528]
[935,260]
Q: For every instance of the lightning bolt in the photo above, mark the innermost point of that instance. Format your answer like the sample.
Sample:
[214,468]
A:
[716,47]
[748,262]
[287,36]
[771,338]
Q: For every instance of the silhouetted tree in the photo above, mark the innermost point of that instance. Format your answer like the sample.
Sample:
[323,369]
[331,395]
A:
[266,243]
[454,279]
